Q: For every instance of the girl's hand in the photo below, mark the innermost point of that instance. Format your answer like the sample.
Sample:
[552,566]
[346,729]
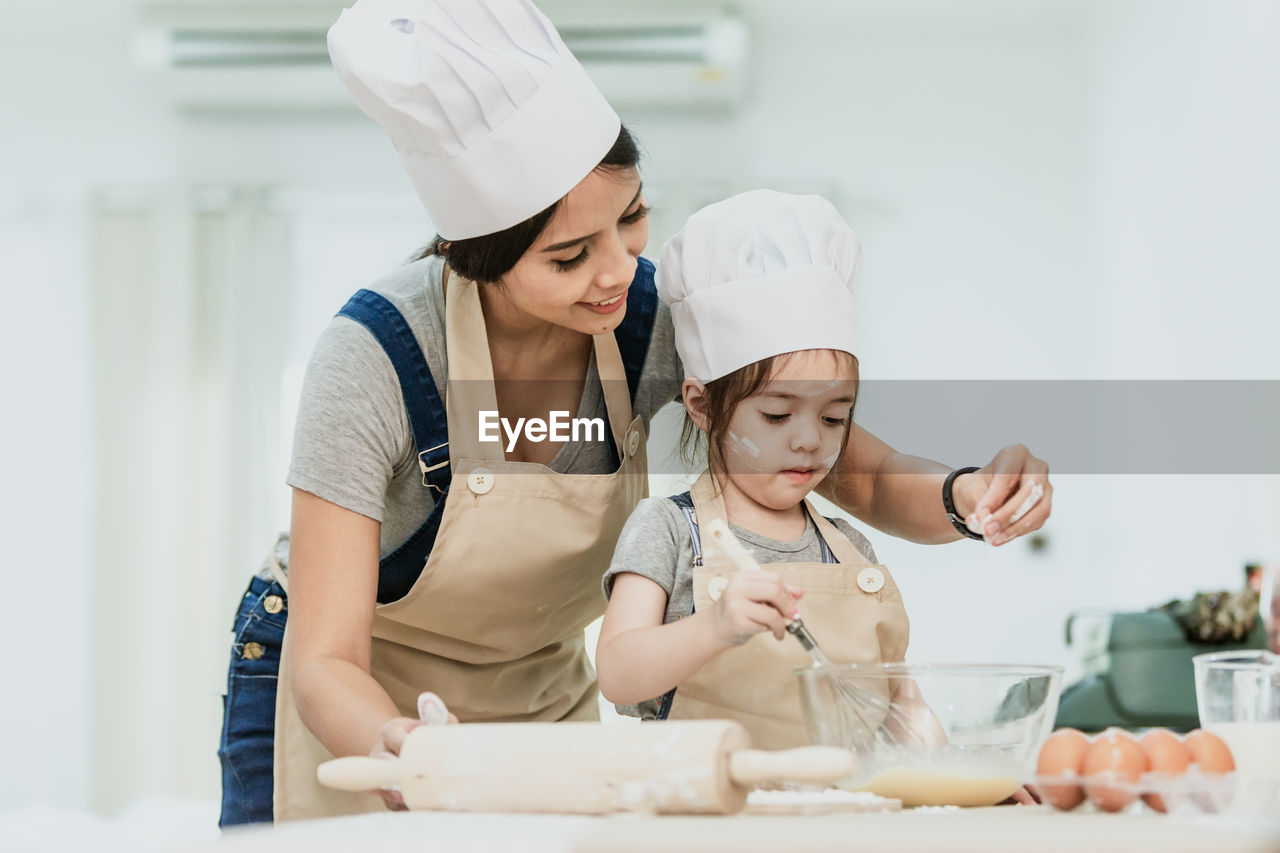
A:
[754,602]
[394,732]
[1002,499]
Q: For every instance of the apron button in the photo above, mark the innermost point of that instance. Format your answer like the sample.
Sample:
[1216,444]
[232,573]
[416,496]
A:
[716,587]
[252,651]
[633,443]
[480,481]
[870,580]
[273,604]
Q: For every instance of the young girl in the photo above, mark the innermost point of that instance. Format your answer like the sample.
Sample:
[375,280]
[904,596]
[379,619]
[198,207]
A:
[759,288]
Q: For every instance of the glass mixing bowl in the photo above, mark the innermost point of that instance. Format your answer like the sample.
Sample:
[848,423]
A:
[934,734]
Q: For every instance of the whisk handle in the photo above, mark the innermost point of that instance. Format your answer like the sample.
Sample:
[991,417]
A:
[818,764]
[797,629]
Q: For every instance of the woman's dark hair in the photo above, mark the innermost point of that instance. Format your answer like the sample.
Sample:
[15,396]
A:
[487,258]
[722,399]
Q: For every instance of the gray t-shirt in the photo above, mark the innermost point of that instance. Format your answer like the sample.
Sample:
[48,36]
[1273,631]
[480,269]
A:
[656,543]
[352,443]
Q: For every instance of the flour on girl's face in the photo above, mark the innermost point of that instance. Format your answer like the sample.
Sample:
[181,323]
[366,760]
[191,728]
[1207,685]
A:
[740,443]
[781,442]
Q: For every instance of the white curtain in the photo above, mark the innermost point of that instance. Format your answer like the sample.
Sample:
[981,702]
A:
[190,302]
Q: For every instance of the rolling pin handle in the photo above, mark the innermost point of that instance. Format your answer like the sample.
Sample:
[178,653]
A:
[817,764]
[359,773]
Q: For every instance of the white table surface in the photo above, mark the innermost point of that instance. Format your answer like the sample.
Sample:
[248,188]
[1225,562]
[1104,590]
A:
[1018,829]
[172,825]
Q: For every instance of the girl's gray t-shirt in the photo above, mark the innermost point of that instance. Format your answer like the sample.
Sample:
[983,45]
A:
[352,444]
[656,543]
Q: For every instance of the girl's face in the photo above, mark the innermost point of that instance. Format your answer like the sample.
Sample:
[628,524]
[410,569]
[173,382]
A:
[577,273]
[783,440]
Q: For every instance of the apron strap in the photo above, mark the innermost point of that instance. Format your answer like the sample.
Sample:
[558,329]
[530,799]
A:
[827,556]
[470,388]
[631,343]
[706,500]
[399,569]
[613,384]
[421,398]
[685,503]
[841,547]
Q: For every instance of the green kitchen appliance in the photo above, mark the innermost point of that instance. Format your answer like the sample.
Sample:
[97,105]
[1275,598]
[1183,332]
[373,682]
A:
[1137,669]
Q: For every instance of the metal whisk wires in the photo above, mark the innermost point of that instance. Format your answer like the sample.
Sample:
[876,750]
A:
[867,717]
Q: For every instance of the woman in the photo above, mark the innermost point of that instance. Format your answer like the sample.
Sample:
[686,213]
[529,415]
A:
[533,302]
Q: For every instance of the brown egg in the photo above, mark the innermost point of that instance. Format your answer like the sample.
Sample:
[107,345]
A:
[1063,755]
[1114,757]
[1167,756]
[1209,752]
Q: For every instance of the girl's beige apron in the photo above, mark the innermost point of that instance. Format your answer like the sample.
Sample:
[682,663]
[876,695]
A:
[852,607]
[494,624]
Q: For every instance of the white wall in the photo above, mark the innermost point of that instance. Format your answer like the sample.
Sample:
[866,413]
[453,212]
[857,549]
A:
[953,142]
[1044,190]
[60,138]
[1184,194]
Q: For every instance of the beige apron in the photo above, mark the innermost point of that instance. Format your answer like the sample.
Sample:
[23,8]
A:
[853,609]
[494,624]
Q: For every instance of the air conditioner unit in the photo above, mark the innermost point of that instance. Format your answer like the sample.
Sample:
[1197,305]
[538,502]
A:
[271,55]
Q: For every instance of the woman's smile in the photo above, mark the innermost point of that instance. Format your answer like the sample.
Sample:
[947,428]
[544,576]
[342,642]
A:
[607,306]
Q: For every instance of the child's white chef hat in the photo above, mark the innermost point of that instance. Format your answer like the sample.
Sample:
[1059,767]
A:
[493,117]
[756,275]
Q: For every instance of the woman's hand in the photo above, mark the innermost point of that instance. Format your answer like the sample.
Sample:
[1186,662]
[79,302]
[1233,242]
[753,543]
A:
[1009,497]
[394,732]
[752,603]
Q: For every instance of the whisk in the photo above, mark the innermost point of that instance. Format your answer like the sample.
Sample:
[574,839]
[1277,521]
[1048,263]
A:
[868,718]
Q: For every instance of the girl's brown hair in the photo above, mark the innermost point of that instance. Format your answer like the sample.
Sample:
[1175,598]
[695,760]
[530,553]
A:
[721,400]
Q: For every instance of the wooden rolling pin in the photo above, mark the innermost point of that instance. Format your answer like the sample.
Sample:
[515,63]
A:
[683,767]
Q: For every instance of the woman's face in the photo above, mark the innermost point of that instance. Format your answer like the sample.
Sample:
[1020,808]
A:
[577,273]
[783,440]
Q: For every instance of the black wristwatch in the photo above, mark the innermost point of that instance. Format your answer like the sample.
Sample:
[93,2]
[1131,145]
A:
[950,505]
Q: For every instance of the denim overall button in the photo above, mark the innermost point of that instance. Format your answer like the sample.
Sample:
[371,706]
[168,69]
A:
[716,587]
[870,580]
[252,651]
[480,481]
[273,604]
[633,443]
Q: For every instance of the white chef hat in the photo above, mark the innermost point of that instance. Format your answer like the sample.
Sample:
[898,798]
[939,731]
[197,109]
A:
[493,117]
[757,275]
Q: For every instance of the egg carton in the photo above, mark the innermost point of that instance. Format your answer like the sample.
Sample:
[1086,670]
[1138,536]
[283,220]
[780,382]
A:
[1193,792]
